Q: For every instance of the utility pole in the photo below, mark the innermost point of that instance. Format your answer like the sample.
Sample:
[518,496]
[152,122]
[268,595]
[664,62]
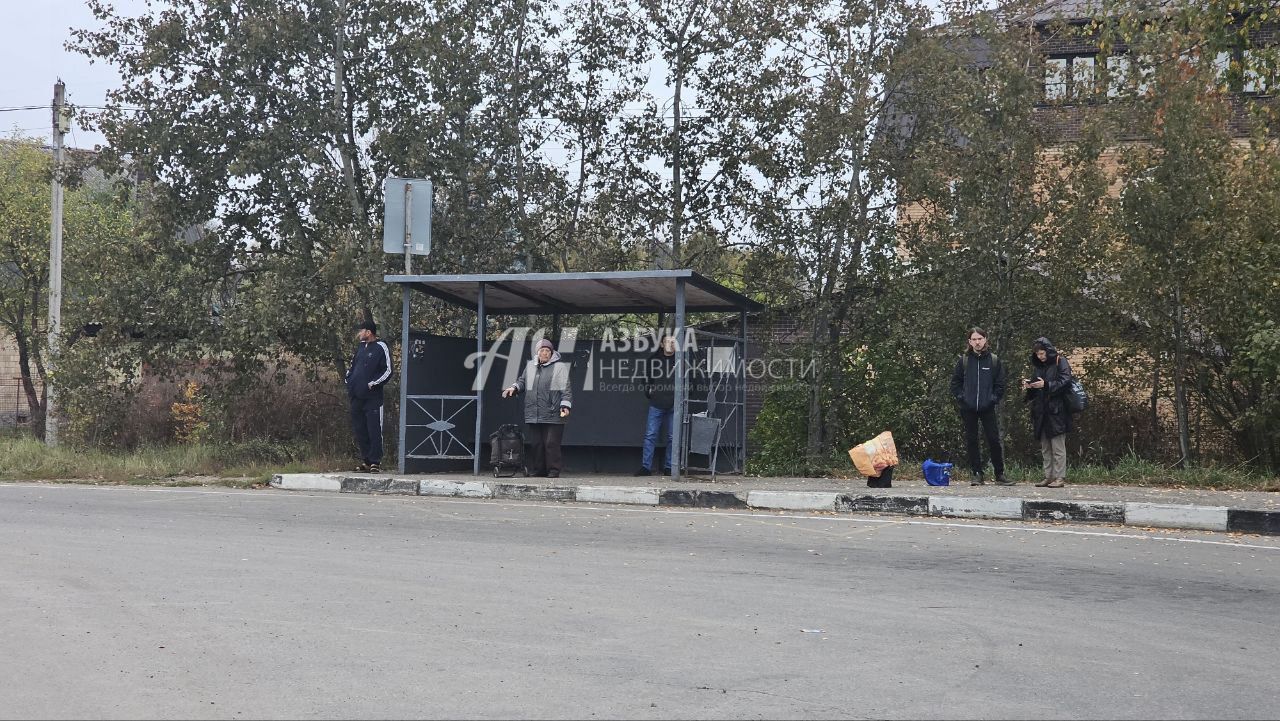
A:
[61,123]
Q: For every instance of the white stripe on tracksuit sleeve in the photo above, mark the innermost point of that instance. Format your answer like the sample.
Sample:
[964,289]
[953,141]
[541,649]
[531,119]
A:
[383,378]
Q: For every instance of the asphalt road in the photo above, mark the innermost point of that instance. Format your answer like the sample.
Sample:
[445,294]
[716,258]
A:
[195,603]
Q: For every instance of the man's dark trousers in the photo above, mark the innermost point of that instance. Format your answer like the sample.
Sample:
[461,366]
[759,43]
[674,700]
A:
[366,425]
[991,431]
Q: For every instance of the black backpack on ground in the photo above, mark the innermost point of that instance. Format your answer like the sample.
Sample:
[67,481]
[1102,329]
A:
[506,451]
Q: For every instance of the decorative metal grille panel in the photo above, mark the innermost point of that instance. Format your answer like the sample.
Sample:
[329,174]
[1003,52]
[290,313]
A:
[440,427]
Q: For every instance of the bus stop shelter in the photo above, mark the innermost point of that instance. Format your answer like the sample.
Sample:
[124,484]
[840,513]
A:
[675,292]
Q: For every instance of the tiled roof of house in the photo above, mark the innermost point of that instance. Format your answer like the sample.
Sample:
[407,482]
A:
[1074,10]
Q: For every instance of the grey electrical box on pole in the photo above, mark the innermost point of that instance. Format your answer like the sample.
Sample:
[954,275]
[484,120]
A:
[406,220]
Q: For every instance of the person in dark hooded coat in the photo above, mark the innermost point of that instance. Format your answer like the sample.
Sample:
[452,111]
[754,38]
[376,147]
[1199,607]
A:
[1050,418]
[547,403]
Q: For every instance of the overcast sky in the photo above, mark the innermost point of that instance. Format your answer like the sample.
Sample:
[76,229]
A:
[32,34]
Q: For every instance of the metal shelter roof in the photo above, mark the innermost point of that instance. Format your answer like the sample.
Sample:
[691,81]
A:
[638,291]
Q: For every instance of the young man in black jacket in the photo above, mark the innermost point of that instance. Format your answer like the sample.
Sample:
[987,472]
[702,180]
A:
[370,370]
[977,384]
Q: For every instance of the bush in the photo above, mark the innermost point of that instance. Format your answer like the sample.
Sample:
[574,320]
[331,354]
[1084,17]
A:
[778,438]
[285,408]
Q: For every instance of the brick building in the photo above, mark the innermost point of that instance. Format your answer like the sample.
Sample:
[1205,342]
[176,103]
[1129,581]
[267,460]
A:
[1077,78]
[14,409]
[1076,74]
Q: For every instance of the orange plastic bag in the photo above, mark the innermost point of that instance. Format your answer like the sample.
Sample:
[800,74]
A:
[875,455]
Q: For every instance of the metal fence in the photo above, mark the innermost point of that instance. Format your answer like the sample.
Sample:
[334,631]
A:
[14,410]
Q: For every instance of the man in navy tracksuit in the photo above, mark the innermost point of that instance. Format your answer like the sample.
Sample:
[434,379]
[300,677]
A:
[370,369]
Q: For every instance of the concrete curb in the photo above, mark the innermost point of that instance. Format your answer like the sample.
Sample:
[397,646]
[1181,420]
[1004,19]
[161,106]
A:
[629,495]
[954,507]
[306,482]
[525,492]
[459,489]
[375,484]
[1152,515]
[909,505]
[1078,511]
[686,498]
[1168,515]
[793,500]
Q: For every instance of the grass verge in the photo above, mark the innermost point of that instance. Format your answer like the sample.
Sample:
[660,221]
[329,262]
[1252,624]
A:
[240,465]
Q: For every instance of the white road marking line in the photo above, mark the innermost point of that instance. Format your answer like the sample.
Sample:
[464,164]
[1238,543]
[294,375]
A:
[663,509]
[945,524]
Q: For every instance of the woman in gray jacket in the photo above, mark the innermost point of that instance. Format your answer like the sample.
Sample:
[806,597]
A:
[547,402]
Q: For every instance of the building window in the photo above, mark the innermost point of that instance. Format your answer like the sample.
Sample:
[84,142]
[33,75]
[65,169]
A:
[1069,78]
[1144,73]
[1084,77]
[1222,68]
[1117,75]
[1127,75]
[1254,74]
[1055,78]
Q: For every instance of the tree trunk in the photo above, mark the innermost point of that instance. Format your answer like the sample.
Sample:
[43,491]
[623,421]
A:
[1179,383]
[337,355]
[513,117]
[677,192]
[1155,406]
[339,119]
[35,399]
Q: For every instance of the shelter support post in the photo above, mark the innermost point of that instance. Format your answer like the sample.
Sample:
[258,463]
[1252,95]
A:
[682,388]
[479,384]
[741,370]
[404,374]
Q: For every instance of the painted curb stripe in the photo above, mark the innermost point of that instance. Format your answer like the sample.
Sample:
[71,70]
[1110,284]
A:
[701,499]
[792,500]
[306,482]
[1246,521]
[1166,515]
[526,492]
[1075,511]
[956,507]
[910,505]
[455,489]
[390,486]
[618,494]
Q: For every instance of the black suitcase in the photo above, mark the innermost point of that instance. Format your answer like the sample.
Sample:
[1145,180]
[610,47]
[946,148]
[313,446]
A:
[506,451]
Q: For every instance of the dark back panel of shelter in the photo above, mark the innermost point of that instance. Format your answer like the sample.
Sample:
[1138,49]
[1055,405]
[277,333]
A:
[604,432]
[609,405]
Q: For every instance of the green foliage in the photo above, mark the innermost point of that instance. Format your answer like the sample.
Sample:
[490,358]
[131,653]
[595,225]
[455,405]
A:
[778,437]
[895,387]
[28,459]
[796,133]
[1195,261]
[1008,234]
[98,224]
